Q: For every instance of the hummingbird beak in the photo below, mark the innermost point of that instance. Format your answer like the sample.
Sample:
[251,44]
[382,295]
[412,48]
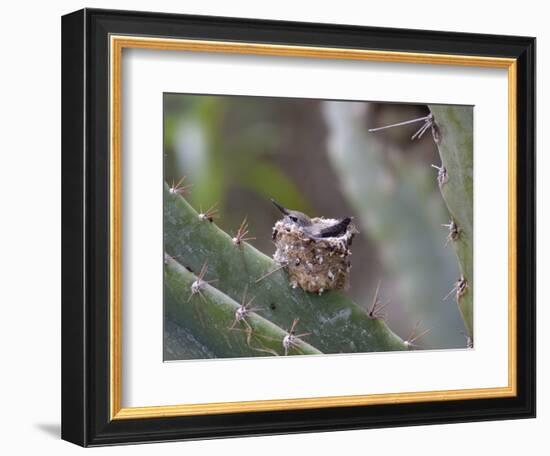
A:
[278,206]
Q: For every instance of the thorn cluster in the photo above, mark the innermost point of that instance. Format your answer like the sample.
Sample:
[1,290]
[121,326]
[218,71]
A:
[375,311]
[240,236]
[442,176]
[291,339]
[428,122]
[242,312]
[178,188]
[454,231]
[413,336]
[210,214]
[199,284]
[459,288]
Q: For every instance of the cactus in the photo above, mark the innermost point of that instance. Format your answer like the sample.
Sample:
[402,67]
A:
[335,323]
[210,317]
[453,134]
[180,344]
[397,207]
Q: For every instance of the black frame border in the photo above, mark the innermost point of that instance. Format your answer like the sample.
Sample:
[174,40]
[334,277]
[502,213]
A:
[85,227]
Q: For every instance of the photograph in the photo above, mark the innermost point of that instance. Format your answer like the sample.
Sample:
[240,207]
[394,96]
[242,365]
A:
[297,226]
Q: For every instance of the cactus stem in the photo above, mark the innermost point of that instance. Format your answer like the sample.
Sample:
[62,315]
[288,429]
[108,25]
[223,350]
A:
[240,236]
[178,189]
[219,310]
[210,214]
[455,144]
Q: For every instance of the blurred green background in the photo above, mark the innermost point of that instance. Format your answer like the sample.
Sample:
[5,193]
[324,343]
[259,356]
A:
[318,157]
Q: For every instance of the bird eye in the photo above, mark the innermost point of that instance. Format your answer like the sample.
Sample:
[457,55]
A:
[293,218]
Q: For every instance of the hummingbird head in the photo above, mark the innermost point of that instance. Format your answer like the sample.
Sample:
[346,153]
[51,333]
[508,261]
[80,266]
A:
[297,217]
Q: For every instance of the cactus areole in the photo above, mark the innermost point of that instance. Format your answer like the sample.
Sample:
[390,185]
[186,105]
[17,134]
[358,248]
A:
[315,264]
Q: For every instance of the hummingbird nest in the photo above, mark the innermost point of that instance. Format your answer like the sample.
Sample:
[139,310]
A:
[315,264]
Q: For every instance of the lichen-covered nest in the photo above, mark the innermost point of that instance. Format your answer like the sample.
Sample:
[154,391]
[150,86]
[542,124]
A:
[314,264]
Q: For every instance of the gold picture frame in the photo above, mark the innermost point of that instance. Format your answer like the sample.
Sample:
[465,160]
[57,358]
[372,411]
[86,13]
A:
[117,45]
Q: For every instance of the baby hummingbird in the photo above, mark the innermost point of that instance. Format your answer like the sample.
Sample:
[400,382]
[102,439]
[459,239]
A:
[314,230]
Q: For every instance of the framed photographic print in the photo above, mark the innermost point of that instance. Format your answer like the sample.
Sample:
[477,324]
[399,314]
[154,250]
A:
[276,227]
